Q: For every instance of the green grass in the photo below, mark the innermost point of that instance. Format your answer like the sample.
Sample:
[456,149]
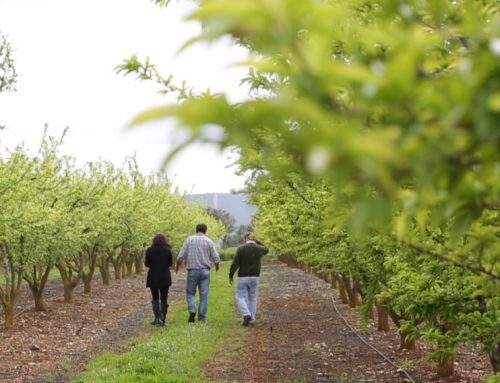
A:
[178,351]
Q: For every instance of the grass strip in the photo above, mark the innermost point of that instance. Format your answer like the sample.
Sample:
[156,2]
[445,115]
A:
[178,351]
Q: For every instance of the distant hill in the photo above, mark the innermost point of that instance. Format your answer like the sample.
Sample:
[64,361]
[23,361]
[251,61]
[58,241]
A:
[234,204]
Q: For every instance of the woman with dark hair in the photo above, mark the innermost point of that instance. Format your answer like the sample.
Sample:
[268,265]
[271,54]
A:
[159,260]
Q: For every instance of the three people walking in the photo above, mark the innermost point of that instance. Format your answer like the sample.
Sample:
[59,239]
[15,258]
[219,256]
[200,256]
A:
[199,253]
[159,260]
[247,261]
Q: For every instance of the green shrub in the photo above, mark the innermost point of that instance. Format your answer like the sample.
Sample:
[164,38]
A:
[227,254]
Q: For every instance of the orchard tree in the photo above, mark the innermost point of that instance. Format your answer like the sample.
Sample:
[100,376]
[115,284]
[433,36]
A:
[8,73]
[390,107]
[15,171]
[397,97]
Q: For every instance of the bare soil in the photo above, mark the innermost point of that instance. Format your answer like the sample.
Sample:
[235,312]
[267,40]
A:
[299,337]
[51,346]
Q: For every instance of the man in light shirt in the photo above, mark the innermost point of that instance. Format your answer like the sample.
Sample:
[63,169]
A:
[199,253]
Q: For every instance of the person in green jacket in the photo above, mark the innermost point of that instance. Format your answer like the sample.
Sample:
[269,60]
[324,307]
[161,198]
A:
[247,262]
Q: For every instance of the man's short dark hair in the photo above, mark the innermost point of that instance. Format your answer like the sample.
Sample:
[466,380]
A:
[201,228]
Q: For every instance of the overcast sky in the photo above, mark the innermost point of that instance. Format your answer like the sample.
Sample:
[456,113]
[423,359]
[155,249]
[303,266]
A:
[65,53]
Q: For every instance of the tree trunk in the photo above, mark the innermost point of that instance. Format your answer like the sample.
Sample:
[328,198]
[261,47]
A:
[37,285]
[103,266]
[130,266]
[334,280]
[406,342]
[494,354]
[70,282]
[11,287]
[105,275]
[139,262]
[87,283]
[123,268]
[117,269]
[326,276]
[371,312]
[91,259]
[359,294]
[68,292]
[350,291]
[445,366]
[39,302]
[8,308]
[343,291]
[383,318]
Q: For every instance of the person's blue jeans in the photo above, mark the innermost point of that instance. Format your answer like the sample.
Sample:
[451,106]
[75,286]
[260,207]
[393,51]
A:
[247,291]
[198,279]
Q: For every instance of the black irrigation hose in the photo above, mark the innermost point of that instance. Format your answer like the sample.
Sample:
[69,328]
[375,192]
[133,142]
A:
[369,345]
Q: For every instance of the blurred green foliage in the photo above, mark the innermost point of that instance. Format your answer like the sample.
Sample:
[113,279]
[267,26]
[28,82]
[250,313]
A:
[227,254]
[372,139]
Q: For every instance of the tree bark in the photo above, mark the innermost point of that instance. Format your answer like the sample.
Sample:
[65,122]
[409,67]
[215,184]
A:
[383,318]
[130,266]
[334,280]
[406,342]
[90,256]
[117,269]
[39,302]
[326,276]
[68,292]
[342,291]
[359,294]
[70,281]
[9,291]
[350,291]
[87,283]
[139,262]
[37,284]
[8,308]
[445,366]
[103,265]
[123,270]
[494,354]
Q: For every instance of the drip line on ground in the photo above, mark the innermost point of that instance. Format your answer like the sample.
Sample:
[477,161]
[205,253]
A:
[369,345]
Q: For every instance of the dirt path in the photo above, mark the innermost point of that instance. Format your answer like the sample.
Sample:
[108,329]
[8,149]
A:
[299,337]
[50,347]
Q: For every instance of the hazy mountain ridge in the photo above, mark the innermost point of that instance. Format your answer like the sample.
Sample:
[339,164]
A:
[234,204]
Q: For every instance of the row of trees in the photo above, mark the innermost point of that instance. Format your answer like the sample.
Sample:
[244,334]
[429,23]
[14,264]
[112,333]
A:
[79,220]
[8,73]
[427,298]
[372,139]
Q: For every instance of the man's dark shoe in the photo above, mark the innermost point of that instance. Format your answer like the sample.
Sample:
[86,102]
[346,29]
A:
[192,315]
[246,320]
